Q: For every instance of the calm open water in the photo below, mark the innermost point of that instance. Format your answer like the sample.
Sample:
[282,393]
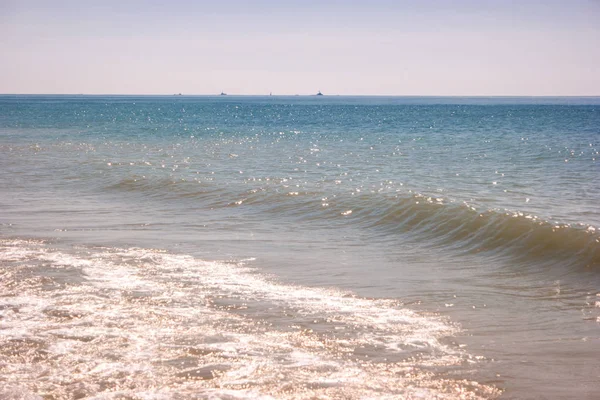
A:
[231,247]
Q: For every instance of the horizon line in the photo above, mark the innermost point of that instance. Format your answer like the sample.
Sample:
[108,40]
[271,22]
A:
[293,95]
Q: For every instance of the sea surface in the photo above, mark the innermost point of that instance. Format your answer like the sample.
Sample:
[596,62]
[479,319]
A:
[305,247]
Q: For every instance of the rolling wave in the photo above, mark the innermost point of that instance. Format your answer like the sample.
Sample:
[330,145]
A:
[452,225]
[461,227]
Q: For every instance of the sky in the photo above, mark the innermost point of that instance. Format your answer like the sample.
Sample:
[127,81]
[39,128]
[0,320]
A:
[376,47]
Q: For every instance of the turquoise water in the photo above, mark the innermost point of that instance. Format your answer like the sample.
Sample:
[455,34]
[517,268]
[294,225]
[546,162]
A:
[297,247]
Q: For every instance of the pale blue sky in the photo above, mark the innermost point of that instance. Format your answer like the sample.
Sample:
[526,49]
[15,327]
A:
[461,47]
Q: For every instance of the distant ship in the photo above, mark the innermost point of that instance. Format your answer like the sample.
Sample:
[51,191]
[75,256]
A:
[223,94]
[319,93]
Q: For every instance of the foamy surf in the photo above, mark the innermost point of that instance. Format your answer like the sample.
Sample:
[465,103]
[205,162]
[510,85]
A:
[108,323]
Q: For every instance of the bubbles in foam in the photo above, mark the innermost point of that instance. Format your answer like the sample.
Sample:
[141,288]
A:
[147,323]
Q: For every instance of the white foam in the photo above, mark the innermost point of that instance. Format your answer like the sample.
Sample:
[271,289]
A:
[141,321]
[17,393]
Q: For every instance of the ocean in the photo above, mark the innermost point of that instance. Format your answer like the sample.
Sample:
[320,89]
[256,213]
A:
[302,247]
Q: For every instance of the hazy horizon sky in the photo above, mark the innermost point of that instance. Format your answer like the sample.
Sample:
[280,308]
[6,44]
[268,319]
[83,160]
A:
[380,47]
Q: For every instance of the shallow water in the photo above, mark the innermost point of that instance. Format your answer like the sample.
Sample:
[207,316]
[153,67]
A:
[302,247]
